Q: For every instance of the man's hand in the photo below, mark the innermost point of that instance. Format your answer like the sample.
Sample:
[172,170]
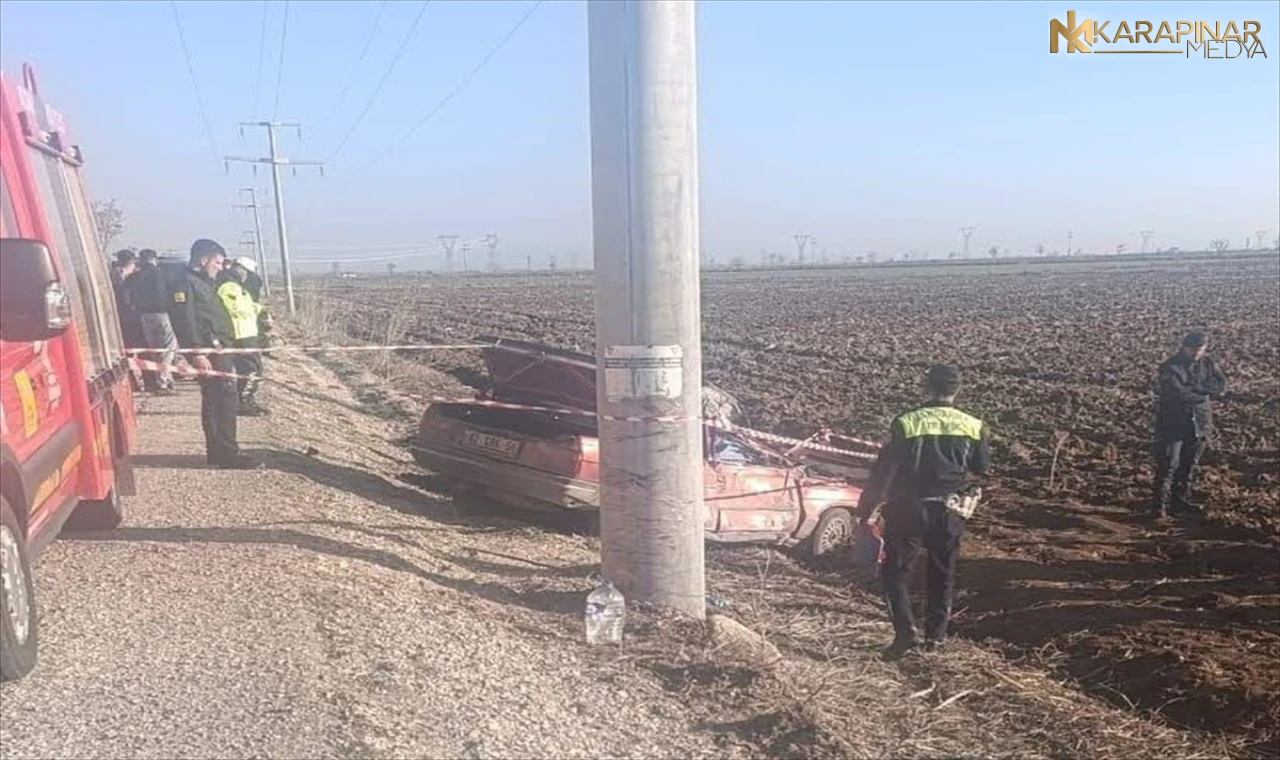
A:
[202,363]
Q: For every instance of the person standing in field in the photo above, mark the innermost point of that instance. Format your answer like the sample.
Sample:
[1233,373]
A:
[1184,421]
[201,321]
[149,290]
[922,478]
[244,311]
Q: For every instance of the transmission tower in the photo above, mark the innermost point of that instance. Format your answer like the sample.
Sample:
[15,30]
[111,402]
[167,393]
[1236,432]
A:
[801,242]
[1146,236]
[491,240]
[448,242]
[466,248]
[968,233]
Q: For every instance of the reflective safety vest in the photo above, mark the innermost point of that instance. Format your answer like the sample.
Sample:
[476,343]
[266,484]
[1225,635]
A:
[242,309]
[940,421]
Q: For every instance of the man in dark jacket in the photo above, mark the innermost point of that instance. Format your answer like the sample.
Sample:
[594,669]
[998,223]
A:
[1184,421]
[200,321]
[150,292]
[932,452]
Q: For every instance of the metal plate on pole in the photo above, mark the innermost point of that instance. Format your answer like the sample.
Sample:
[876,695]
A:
[640,372]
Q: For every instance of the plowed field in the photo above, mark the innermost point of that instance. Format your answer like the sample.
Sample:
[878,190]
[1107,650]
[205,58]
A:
[1063,567]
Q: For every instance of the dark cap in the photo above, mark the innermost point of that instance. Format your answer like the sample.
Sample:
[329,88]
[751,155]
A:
[943,379]
[204,247]
[1195,340]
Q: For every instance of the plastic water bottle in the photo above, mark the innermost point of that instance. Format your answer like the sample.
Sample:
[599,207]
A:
[605,615]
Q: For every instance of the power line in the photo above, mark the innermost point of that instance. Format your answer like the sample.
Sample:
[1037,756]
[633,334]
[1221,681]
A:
[262,54]
[284,33]
[454,92]
[364,52]
[404,43]
[195,84]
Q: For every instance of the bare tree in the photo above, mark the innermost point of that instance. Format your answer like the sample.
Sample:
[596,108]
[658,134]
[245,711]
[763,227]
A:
[391,267]
[737,262]
[1040,249]
[994,251]
[1219,245]
[109,218]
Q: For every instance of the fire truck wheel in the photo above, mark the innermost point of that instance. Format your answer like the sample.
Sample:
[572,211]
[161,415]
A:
[100,514]
[18,624]
[834,532]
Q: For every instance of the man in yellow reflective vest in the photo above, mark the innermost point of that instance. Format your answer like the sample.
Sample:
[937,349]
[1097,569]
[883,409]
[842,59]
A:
[244,312]
[920,477]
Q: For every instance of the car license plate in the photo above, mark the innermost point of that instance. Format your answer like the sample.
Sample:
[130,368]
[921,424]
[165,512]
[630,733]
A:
[507,448]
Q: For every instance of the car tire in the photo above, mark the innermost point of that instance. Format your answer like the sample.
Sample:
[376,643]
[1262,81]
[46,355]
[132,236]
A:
[834,532]
[97,514]
[19,628]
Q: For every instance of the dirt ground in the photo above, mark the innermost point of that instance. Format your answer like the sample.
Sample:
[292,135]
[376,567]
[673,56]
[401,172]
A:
[1063,574]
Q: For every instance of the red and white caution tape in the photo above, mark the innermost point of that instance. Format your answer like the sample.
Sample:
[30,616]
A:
[321,349]
[794,443]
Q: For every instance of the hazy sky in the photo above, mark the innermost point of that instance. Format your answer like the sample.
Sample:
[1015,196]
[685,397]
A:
[871,126]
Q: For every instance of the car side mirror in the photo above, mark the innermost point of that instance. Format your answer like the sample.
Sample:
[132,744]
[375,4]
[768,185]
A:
[33,303]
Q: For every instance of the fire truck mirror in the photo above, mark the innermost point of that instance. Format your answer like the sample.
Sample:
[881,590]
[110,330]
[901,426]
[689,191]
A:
[33,303]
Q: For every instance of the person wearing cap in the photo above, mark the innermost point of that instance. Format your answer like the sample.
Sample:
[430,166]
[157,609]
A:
[932,453]
[244,312]
[201,321]
[149,291]
[1184,421]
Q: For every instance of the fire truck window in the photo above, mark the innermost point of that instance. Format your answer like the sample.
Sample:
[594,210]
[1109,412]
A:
[8,219]
[94,261]
[65,243]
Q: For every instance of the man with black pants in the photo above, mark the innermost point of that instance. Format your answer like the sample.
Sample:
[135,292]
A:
[200,320]
[918,477]
[1184,420]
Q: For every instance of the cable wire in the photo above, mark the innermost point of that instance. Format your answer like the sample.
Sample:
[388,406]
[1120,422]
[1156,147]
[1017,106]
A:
[284,33]
[459,87]
[195,83]
[404,44]
[262,54]
[364,52]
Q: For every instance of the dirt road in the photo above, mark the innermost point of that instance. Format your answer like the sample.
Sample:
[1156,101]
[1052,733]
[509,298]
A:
[308,610]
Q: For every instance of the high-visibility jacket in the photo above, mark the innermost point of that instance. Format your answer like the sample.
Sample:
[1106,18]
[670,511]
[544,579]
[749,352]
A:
[241,307]
[932,451]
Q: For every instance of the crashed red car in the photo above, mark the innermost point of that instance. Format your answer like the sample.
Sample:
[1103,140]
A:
[550,460]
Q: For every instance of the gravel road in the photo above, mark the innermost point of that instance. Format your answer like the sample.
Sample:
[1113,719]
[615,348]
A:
[321,608]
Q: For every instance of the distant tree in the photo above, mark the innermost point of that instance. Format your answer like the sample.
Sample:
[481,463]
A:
[994,251]
[391,268]
[953,255]
[335,267]
[109,219]
[873,256]
[1120,248]
[737,262]
[860,258]
[1219,245]
[1040,249]
[1275,244]
[552,262]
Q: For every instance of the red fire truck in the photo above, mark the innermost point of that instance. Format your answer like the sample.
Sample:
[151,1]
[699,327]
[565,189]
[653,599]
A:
[66,408]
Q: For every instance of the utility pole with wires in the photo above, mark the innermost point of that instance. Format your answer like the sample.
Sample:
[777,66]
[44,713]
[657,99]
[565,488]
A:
[447,242]
[801,242]
[275,160]
[259,251]
[968,233]
[644,182]
[466,248]
[491,240]
[1146,238]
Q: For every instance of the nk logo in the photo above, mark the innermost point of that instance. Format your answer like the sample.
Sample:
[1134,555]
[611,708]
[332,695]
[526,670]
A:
[1204,39]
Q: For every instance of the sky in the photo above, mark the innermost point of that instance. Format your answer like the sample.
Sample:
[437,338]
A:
[879,127]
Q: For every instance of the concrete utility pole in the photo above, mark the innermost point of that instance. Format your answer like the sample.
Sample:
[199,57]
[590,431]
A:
[276,161]
[1146,237]
[257,236]
[491,240]
[644,170]
[968,233]
[448,242]
[801,242]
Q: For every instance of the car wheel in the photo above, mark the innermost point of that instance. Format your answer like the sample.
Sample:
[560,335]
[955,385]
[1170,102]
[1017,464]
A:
[834,532]
[100,514]
[18,624]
